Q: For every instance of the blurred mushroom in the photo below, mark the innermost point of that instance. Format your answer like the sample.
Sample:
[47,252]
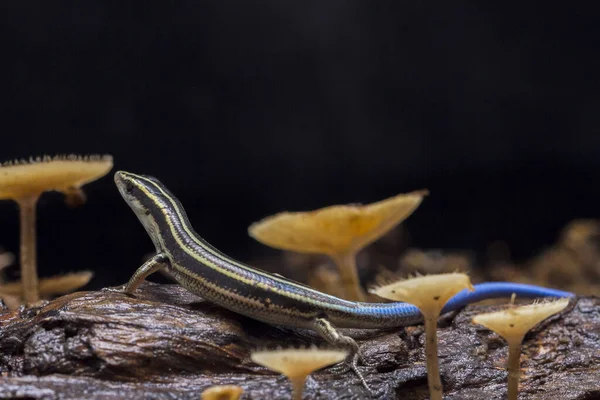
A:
[222,392]
[339,232]
[434,262]
[325,279]
[6,260]
[429,293]
[512,324]
[24,182]
[53,285]
[297,364]
[11,302]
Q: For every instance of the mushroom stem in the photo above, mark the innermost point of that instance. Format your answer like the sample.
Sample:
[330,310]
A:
[429,294]
[297,387]
[74,197]
[346,263]
[29,276]
[433,372]
[514,368]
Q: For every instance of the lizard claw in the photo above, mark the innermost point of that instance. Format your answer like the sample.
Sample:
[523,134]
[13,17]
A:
[352,365]
[120,289]
[366,363]
[340,368]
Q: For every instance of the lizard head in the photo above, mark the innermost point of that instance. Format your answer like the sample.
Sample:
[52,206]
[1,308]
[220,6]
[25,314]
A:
[148,198]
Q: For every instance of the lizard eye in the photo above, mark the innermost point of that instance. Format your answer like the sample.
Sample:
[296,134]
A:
[129,186]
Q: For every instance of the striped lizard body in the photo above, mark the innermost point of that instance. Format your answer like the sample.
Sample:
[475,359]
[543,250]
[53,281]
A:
[207,272]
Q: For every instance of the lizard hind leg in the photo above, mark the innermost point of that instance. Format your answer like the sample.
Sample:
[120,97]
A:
[324,328]
[154,264]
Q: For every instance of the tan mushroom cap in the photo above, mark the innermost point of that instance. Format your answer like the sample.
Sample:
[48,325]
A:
[298,362]
[222,392]
[335,229]
[515,322]
[23,178]
[426,292]
[53,285]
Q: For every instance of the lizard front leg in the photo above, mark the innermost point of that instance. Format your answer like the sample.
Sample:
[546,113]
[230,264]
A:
[154,264]
[324,328]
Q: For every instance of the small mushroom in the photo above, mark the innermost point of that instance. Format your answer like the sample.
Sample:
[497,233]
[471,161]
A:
[11,301]
[339,231]
[222,392]
[24,181]
[297,364]
[512,324]
[6,260]
[53,285]
[429,293]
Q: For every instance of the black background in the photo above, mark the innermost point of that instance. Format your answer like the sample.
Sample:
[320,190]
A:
[244,109]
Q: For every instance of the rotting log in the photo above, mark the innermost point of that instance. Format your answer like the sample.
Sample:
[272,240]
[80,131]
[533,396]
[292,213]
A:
[166,343]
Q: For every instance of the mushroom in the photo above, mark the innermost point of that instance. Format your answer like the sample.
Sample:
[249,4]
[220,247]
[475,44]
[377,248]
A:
[222,392]
[297,364]
[325,279]
[339,232]
[11,301]
[12,292]
[53,285]
[512,324]
[24,181]
[429,293]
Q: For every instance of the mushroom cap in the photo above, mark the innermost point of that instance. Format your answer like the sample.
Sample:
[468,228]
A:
[298,362]
[12,302]
[429,292]
[513,323]
[22,179]
[53,285]
[335,229]
[222,392]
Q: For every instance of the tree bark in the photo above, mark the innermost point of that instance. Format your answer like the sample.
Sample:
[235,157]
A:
[166,343]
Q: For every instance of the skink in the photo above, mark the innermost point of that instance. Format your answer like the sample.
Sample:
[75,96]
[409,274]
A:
[218,278]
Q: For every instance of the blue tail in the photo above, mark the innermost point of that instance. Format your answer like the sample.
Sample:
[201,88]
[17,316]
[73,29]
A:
[491,290]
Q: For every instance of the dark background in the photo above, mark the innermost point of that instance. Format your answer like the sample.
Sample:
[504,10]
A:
[244,109]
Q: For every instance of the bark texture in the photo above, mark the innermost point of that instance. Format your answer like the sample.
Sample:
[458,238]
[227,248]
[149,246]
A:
[166,343]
